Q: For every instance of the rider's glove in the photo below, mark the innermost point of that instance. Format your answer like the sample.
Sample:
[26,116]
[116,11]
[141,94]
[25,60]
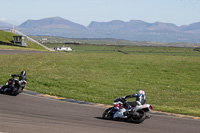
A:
[122,98]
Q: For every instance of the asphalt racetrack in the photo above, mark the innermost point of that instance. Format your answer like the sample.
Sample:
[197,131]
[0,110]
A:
[27,113]
[33,114]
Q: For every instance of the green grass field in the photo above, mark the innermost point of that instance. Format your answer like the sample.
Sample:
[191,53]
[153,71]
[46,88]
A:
[99,74]
[172,83]
[129,49]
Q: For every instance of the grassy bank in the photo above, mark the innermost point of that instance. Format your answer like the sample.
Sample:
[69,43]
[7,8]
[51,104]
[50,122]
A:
[171,82]
[7,37]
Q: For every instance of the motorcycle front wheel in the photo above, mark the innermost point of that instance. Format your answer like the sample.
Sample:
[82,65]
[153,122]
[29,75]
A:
[3,88]
[108,114]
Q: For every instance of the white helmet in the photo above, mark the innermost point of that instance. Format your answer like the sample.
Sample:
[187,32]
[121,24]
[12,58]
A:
[141,92]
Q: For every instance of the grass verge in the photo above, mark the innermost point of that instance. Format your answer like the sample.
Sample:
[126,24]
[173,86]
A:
[171,83]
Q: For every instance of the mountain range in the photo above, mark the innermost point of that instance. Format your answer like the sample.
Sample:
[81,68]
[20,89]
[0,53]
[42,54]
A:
[4,25]
[134,30]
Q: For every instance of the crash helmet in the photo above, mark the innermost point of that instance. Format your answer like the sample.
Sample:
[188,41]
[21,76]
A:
[141,92]
[23,73]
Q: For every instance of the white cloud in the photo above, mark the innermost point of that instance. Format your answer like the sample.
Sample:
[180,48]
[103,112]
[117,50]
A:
[3,19]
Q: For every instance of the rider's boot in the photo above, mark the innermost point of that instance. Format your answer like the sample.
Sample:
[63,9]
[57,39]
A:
[148,116]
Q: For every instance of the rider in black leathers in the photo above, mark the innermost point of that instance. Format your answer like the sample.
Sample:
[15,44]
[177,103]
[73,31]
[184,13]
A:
[22,78]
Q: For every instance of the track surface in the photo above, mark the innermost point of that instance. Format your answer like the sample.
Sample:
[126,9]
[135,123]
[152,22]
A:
[30,114]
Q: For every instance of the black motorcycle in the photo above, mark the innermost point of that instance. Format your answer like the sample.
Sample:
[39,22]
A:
[13,86]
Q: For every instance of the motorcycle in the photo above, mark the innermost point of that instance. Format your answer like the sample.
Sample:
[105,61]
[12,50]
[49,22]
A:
[133,113]
[13,86]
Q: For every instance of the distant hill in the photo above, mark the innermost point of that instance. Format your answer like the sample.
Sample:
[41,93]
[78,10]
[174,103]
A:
[54,22]
[163,27]
[134,25]
[133,30]
[195,27]
[54,26]
[115,24]
[137,30]
[4,25]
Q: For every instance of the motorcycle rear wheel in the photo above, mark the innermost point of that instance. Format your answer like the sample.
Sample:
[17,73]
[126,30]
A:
[15,93]
[140,118]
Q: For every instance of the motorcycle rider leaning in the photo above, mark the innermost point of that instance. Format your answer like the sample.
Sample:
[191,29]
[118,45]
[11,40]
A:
[22,78]
[140,100]
[120,111]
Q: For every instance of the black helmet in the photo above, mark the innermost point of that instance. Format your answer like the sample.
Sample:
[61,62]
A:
[23,73]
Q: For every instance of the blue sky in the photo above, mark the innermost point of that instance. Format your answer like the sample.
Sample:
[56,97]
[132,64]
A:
[179,12]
